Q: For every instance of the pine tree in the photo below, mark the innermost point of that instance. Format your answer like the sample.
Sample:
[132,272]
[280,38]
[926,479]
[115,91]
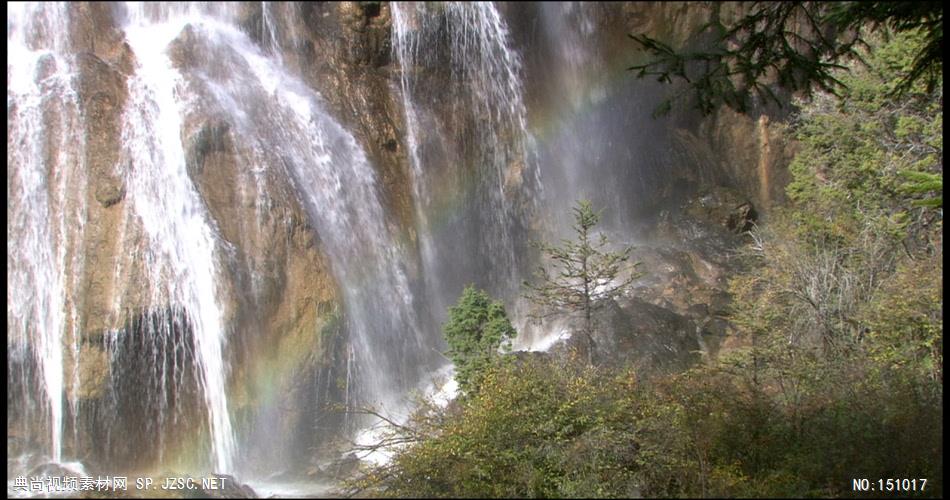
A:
[583,275]
[476,328]
[793,46]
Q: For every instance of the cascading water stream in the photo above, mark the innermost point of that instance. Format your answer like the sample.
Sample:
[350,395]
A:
[269,28]
[287,129]
[575,68]
[598,139]
[182,243]
[405,49]
[43,218]
[339,188]
[284,127]
[488,143]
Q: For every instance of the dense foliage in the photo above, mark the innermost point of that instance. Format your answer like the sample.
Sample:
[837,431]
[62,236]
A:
[533,430]
[792,46]
[839,376]
[477,327]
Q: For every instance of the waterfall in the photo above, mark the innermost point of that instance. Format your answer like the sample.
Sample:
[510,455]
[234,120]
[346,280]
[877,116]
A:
[182,243]
[177,297]
[269,28]
[405,48]
[287,128]
[192,63]
[468,139]
[577,150]
[44,219]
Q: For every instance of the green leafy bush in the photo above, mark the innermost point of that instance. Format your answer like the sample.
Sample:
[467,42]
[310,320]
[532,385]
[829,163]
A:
[476,328]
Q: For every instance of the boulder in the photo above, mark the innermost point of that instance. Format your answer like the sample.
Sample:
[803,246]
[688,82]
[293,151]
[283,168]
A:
[631,332]
[720,206]
[742,218]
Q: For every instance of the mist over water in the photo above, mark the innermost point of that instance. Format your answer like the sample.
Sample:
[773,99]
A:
[478,157]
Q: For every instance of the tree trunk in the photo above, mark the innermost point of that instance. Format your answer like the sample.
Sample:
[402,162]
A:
[589,331]
[588,327]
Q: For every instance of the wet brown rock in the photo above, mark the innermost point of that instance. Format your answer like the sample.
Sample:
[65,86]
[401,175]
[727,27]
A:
[366,39]
[721,206]
[753,153]
[94,30]
[228,190]
[278,293]
[673,22]
[103,92]
[343,50]
[748,151]
[93,371]
[742,218]
[281,291]
[104,62]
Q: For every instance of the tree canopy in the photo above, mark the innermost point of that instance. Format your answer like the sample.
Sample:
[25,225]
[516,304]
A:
[476,328]
[794,46]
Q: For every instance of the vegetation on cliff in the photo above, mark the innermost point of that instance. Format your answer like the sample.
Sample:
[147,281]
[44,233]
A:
[839,373]
[792,46]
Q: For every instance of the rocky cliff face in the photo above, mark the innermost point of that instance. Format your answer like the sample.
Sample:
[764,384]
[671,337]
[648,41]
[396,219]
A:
[103,64]
[680,188]
[746,152]
[343,50]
